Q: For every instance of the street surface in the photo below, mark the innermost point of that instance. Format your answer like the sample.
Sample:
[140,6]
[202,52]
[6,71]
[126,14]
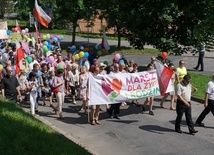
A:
[135,133]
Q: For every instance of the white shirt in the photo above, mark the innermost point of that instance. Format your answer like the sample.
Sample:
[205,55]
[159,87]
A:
[184,91]
[210,90]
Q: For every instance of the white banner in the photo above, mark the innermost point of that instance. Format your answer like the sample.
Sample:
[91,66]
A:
[3,34]
[116,88]
[3,26]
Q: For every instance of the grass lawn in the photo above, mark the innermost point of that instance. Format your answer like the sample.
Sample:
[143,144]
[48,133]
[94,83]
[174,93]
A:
[200,82]
[20,133]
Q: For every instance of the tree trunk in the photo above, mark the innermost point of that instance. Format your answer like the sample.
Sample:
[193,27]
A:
[119,39]
[74,32]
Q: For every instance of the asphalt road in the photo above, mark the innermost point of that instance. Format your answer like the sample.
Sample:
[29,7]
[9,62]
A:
[135,133]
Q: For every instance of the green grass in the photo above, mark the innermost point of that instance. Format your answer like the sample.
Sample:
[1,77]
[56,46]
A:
[200,82]
[20,133]
[12,23]
[132,50]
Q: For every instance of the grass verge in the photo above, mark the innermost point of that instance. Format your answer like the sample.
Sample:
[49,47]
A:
[22,134]
[200,82]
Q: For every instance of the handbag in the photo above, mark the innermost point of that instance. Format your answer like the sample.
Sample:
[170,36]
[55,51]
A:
[54,89]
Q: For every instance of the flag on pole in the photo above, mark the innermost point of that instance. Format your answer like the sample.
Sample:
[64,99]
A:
[19,57]
[105,41]
[164,74]
[17,26]
[37,31]
[40,14]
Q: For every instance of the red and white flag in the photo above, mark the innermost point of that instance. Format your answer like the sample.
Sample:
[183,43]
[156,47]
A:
[164,78]
[105,41]
[17,26]
[19,57]
[37,31]
[40,14]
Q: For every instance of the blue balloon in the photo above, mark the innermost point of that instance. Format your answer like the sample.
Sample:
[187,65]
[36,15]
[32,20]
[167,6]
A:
[73,50]
[55,39]
[47,37]
[49,46]
[8,32]
[99,47]
[121,61]
[46,43]
[86,54]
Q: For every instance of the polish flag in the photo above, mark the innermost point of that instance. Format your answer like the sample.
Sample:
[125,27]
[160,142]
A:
[19,57]
[17,26]
[164,77]
[40,14]
[105,41]
[37,31]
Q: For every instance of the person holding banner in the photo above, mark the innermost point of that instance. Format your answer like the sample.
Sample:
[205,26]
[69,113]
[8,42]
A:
[116,106]
[172,94]
[149,100]
[95,109]
[183,92]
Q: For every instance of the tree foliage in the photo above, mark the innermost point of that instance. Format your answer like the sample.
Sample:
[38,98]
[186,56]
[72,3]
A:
[174,26]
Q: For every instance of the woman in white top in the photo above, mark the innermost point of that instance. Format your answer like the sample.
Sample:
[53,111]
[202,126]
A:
[73,79]
[84,87]
[32,86]
[60,95]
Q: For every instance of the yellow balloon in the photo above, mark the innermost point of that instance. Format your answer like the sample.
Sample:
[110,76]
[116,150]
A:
[44,37]
[76,56]
[81,54]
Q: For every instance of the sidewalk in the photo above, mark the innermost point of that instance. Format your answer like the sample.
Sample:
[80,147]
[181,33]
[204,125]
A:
[134,133]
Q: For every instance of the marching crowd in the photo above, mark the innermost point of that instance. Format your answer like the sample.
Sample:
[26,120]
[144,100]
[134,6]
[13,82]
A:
[50,75]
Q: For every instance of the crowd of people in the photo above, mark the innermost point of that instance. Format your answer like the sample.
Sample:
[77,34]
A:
[49,75]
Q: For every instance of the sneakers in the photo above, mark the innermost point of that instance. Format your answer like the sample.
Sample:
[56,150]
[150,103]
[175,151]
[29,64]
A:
[151,113]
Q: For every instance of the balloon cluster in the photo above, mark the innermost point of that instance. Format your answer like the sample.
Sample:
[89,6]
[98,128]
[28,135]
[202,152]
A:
[25,31]
[81,55]
[101,49]
[49,37]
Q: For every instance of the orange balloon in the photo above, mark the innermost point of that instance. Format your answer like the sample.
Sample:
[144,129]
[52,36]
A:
[164,55]
[86,49]
[103,50]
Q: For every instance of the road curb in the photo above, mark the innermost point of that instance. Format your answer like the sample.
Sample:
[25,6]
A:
[197,100]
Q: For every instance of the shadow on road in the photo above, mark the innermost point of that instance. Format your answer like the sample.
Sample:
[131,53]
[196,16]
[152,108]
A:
[156,129]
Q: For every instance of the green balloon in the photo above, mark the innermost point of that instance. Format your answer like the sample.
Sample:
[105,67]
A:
[45,48]
[61,36]
[29,59]
[106,63]
[60,66]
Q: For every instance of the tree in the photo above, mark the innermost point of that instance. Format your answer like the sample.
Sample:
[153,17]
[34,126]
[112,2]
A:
[113,12]
[167,25]
[70,11]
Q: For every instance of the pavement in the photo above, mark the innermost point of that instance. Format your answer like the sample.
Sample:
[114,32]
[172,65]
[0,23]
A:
[135,133]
